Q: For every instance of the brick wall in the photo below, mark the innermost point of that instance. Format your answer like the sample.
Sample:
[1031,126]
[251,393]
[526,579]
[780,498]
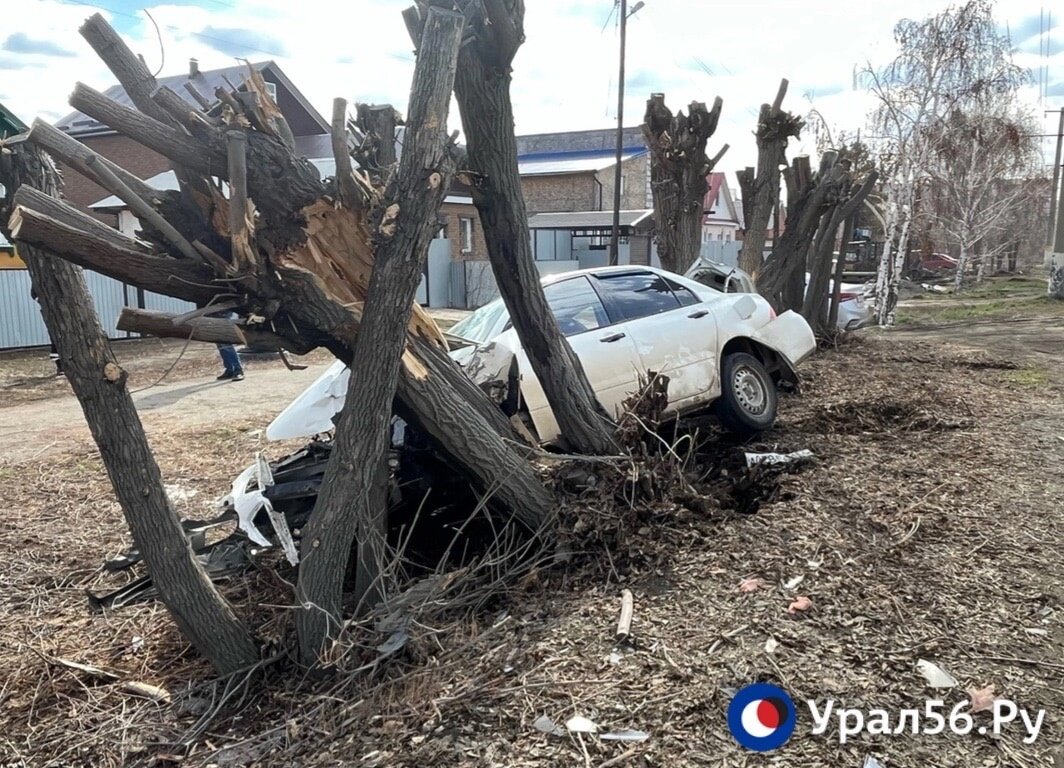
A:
[590,191]
[634,190]
[561,192]
[453,213]
[135,158]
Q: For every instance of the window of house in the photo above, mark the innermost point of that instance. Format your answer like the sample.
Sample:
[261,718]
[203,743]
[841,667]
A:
[466,227]
[271,88]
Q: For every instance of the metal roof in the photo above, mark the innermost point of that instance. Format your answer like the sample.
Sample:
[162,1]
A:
[553,163]
[603,139]
[587,219]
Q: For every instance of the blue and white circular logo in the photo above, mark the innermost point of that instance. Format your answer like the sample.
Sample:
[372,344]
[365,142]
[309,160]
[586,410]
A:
[761,717]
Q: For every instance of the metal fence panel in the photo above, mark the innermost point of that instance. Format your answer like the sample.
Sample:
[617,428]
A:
[20,316]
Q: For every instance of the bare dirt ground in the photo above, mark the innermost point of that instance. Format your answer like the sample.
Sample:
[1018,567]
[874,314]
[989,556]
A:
[39,415]
[928,527]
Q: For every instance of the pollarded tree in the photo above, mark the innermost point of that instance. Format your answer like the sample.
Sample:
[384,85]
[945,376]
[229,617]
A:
[679,166]
[495,32]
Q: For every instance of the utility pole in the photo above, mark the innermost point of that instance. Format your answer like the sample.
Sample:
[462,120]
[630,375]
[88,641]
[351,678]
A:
[615,237]
[1053,193]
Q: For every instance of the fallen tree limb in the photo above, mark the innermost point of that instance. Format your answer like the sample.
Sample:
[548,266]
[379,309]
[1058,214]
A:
[215,330]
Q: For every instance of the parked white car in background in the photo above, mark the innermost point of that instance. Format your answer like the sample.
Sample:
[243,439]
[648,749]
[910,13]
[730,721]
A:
[725,349]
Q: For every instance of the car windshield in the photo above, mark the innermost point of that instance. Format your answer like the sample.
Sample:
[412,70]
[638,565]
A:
[480,325]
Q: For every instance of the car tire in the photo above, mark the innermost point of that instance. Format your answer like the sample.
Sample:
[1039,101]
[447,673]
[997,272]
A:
[748,398]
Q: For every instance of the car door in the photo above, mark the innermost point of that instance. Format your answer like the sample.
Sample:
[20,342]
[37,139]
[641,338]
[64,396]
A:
[605,349]
[674,333]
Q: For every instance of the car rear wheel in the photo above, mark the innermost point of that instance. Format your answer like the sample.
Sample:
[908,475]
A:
[748,399]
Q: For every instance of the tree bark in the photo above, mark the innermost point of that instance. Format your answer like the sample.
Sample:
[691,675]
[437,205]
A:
[814,306]
[678,170]
[78,238]
[100,386]
[761,192]
[847,235]
[482,87]
[345,509]
[809,197]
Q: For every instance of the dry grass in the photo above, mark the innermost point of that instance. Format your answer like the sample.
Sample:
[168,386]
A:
[927,528]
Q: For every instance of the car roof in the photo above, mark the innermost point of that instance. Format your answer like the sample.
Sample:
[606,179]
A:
[620,269]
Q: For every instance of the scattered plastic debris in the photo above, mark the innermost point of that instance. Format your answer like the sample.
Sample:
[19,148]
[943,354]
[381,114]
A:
[871,762]
[778,458]
[794,582]
[982,698]
[800,604]
[771,645]
[936,676]
[751,585]
[394,643]
[627,735]
[578,724]
[544,724]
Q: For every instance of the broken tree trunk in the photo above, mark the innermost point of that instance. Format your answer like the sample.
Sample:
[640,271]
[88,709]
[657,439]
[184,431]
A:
[346,510]
[761,192]
[482,87]
[304,273]
[679,168]
[200,612]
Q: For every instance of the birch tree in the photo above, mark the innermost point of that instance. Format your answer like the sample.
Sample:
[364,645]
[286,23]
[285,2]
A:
[979,161]
[944,62]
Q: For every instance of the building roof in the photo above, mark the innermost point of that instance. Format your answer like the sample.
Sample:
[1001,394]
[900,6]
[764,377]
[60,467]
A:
[587,219]
[205,81]
[551,163]
[579,141]
[9,123]
[720,206]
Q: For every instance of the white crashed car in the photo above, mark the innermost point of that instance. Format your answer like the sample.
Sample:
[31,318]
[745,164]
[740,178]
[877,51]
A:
[722,349]
[720,346]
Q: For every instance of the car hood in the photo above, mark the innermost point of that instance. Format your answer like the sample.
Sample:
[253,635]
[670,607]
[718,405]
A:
[311,413]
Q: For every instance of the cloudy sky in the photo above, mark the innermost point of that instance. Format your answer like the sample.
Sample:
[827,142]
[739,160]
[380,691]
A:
[565,75]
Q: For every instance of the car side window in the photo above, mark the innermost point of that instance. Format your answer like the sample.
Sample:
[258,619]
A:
[638,294]
[684,294]
[576,306]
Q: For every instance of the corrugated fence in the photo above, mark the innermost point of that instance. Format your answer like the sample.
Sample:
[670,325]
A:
[20,316]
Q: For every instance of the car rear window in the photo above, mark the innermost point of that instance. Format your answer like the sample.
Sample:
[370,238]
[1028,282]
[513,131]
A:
[638,294]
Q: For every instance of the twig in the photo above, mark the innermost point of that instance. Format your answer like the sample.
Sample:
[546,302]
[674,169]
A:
[621,758]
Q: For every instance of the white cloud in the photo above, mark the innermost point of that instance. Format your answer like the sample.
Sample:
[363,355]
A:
[564,76]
